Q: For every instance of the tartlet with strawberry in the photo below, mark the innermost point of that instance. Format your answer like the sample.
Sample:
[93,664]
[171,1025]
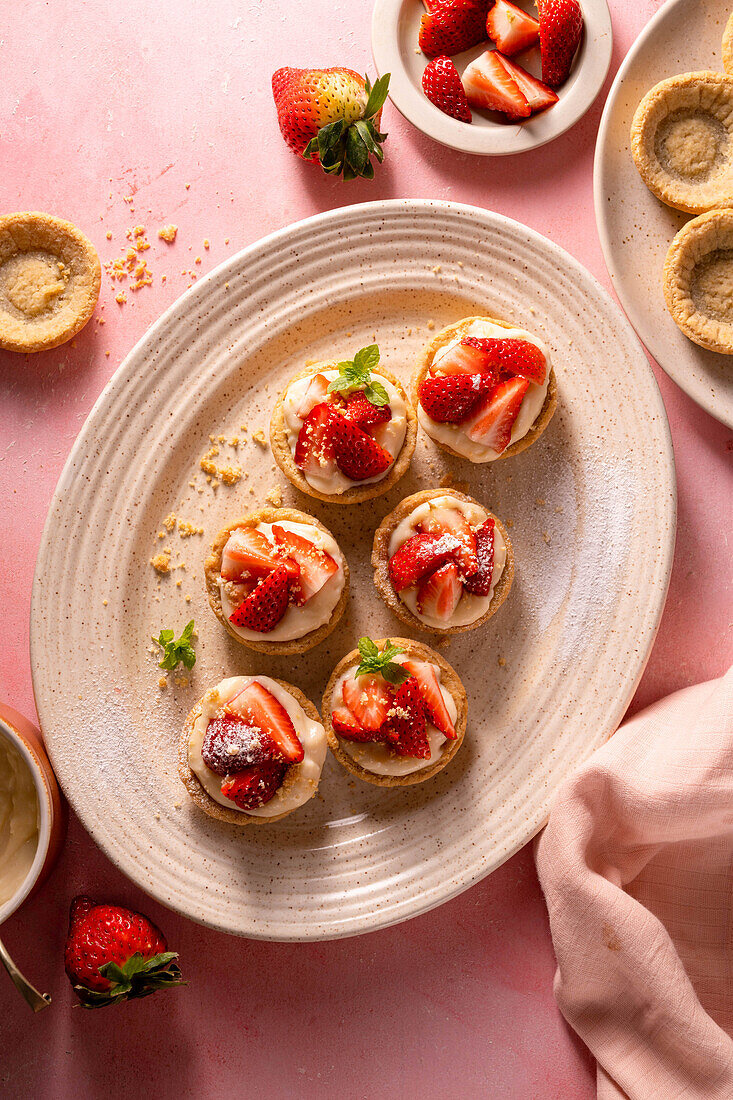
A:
[252,750]
[394,711]
[277,580]
[344,431]
[442,562]
[484,390]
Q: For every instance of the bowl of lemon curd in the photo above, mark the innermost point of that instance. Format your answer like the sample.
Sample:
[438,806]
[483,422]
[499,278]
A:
[32,813]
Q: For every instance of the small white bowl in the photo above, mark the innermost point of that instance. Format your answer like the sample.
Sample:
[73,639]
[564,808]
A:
[395,27]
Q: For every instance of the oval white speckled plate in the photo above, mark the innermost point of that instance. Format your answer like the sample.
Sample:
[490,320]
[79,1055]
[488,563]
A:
[592,508]
[635,228]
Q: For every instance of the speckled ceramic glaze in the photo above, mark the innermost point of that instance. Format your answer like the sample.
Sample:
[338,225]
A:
[591,507]
[635,228]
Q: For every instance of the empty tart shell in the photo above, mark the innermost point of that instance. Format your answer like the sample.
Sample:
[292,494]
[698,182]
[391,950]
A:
[458,329]
[212,572]
[201,796]
[50,277]
[449,679]
[698,280]
[380,562]
[354,494]
[682,141]
[728,46]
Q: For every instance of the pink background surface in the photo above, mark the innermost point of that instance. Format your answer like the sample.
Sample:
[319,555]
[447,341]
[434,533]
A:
[101,102]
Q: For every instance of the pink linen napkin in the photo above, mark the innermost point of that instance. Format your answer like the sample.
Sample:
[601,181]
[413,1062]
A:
[636,863]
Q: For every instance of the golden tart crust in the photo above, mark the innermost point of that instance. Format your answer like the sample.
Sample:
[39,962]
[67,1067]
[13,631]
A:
[380,562]
[458,329]
[682,141]
[212,571]
[449,679]
[202,798]
[50,277]
[698,280]
[355,494]
[728,46]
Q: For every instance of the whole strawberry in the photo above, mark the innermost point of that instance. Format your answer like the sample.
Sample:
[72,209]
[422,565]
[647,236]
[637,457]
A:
[331,116]
[114,954]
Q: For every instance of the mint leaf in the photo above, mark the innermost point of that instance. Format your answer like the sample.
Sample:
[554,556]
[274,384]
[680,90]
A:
[374,663]
[367,358]
[356,374]
[376,394]
[177,652]
[367,648]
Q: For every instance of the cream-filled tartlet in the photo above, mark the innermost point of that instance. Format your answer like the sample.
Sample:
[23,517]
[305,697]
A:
[344,432]
[484,390]
[394,711]
[277,580]
[252,750]
[442,562]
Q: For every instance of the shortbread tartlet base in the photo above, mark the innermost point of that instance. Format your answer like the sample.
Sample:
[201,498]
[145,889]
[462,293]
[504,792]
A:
[449,679]
[700,240]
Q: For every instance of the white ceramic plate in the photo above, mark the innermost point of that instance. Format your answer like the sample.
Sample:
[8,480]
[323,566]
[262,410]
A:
[592,505]
[395,27]
[636,229]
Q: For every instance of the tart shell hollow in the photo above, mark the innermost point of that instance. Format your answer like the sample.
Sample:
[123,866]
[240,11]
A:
[449,679]
[50,277]
[355,494]
[202,798]
[212,571]
[458,329]
[704,246]
[380,562]
[695,172]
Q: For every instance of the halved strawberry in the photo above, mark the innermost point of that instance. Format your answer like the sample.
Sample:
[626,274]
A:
[369,698]
[451,521]
[314,450]
[442,86]
[248,552]
[561,25]
[512,29]
[439,594]
[358,456]
[316,393]
[419,555]
[360,411]
[469,356]
[493,422]
[315,566]
[451,26]
[451,398]
[479,583]
[432,696]
[345,725]
[232,744]
[266,604]
[256,785]
[259,706]
[509,355]
[538,95]
[488,84]
[406,725]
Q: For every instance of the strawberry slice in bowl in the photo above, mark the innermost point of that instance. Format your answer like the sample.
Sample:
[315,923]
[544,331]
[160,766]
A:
[512,29]
[451,26]
[488,85]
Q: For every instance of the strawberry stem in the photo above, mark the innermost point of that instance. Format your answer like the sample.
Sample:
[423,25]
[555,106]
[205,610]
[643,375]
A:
[347,150]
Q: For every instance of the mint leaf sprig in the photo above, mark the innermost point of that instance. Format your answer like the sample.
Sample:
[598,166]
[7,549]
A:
[375,662]
[356,374]
[179,651]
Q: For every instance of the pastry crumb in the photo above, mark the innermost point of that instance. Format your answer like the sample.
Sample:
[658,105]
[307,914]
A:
[540,501]
[443,643]
[162,682]
[121,298]
[161,563]
[259,438]
[501,661]
[186,529]
[275,496]
[168,233]
[546,537]
[104,603]
[436,270]
[170,521]
[431,324]
[509,522]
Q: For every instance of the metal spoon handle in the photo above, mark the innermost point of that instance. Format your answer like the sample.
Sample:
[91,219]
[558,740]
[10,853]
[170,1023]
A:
[36,1000]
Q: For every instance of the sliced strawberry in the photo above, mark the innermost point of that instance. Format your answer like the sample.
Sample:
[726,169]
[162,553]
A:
[493,422]
[419,555]
[358,456]
[314,566]
[442,85]
[256,785]
[259,707]
[439,594]
[248,553]
[368,698]
[232,744]
[314,450]
[451,398]
[488,85]
[469,356]
[360,411]
[538,95]
[432,696]
[512,29]
[479,583]
[316,393]
[561,26]
[345,725]
[266,604]
[451,521]
[406,725]
[451,26]
[509,356]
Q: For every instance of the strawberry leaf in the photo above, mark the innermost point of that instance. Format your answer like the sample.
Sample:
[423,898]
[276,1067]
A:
[377,95]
